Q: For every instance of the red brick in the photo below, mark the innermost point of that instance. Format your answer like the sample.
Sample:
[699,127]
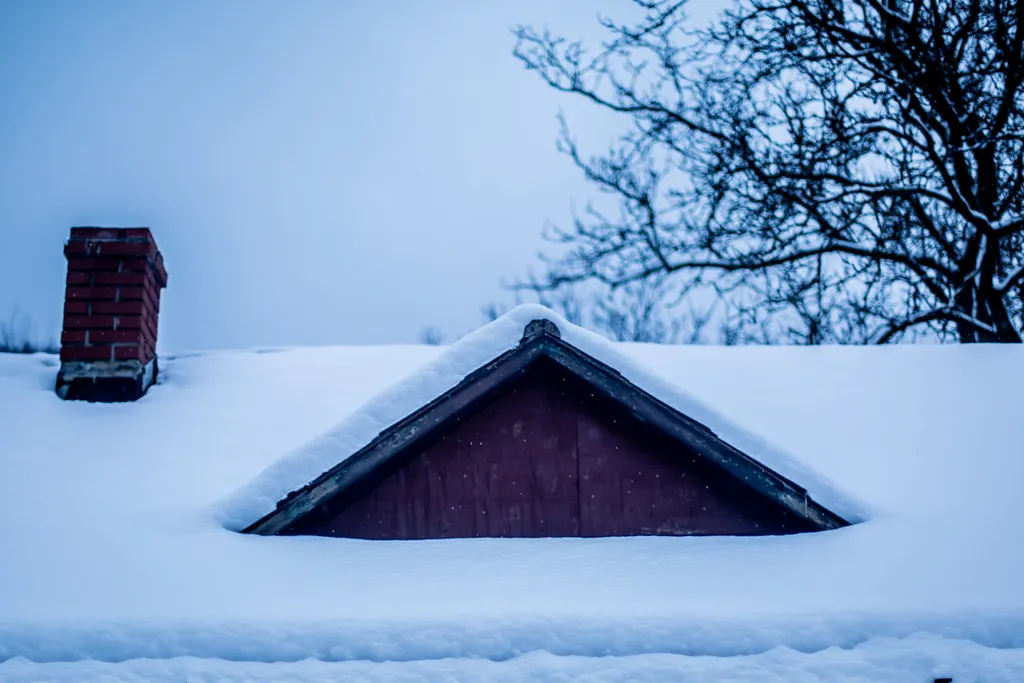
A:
[161,272]
[90,293]
[79,277]
[94,322]
[152,299]
[130,294]
[76,307]
[151,282]
[93,233]
[129,352]
[72,337]
[146,323]
[92,263]
[125,249]
[85,247]
[150,327]
[113,248]
[85,353]
[143,233]
[77,248]
[131,322]
[120,278]
[135,263]
[119,307]
[115,336]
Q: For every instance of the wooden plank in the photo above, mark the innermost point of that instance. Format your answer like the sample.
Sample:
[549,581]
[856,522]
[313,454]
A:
[695,436]
[509,470]
[636,481]
[416,428]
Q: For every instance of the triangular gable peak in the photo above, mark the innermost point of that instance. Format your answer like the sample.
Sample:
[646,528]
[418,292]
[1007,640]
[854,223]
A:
[546,440]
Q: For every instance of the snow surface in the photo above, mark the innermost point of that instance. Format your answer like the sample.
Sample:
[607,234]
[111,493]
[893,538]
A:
[915,659]
[114,564]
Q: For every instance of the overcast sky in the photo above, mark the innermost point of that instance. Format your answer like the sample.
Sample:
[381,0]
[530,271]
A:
[315,171]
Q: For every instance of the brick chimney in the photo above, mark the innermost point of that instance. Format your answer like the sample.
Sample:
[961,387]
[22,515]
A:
[108,346]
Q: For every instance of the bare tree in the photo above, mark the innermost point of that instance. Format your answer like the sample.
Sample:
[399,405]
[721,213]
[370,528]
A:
[642,311]
[16,336]
[847,171]
[431,336]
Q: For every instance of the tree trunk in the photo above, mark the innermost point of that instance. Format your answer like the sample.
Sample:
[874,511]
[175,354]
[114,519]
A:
[989,311]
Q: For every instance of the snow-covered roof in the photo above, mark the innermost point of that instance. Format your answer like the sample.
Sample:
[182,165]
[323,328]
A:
[470,353]
[113,544]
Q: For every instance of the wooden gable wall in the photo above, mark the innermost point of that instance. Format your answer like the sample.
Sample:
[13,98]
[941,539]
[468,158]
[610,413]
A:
[546,457]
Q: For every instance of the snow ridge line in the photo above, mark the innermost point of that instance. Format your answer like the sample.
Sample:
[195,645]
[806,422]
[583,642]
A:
[484,639]
[880,660]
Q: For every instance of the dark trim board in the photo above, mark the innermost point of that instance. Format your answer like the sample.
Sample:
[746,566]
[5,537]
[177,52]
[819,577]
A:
[541,340]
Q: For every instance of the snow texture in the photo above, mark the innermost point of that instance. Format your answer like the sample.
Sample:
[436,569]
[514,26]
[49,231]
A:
[115,564]
[919,658]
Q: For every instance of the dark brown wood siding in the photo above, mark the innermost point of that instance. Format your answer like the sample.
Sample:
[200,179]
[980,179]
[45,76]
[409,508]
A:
[635,481]
[547,458]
